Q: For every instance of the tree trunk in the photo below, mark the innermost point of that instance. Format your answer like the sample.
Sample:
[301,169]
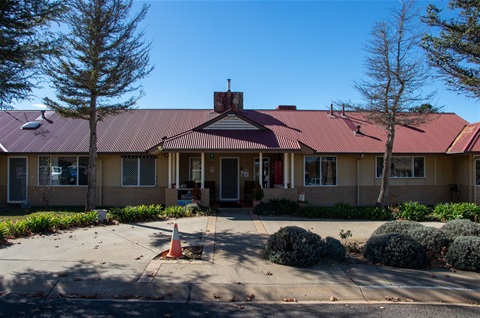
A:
[92,160]
[387,167]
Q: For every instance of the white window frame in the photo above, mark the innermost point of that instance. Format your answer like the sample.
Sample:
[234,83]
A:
[60,185]
[138,185]
[320,172]
[190,170]
[412,167]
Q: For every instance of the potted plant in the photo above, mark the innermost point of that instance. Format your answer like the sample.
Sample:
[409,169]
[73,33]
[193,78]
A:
[258,194]
[196,194]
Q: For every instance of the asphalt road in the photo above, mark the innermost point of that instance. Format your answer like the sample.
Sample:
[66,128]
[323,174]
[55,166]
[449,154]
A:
[59,307]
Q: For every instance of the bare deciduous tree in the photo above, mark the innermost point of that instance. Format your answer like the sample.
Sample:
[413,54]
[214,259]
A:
[395,74]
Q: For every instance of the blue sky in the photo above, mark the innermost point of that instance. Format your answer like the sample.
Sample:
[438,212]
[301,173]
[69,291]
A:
[304,53]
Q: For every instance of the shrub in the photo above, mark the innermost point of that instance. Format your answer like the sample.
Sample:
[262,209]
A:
[41,223]
[3,232]
[344,211]
[333,249]
[294,246]
[137,213]
[396,227]
[464,253]
[412,211]
[16,229]
[433,240]
[277,207]
[452,211]
[456,228]
[395,249]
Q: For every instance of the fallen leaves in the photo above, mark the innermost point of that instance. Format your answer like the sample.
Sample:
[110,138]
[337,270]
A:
[268,273]
[398,299]
[333,298]
[290,300]
[217,296]
[249,297]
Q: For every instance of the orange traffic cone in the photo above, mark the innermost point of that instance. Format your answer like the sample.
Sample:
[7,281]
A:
[175,246]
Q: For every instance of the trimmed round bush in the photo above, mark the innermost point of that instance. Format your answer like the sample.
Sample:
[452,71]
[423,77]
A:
[294,246]
[333,249]
[398,226]
[395,249]
[462,227]
[464,253]
[432,239]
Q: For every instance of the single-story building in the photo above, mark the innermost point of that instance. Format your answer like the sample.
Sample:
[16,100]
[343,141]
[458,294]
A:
[150,156]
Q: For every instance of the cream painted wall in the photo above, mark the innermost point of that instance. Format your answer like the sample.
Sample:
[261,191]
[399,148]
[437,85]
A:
[111,170]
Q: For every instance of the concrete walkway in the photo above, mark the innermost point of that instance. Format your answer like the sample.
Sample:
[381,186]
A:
[119,262]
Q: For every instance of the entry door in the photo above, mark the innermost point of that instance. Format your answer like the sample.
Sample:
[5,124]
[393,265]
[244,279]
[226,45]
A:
[17,179]
[229,179]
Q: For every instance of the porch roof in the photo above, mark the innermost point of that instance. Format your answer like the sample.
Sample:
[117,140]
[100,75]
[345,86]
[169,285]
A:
[231,140]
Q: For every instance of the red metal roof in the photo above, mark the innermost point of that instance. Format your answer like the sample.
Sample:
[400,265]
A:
[467,140]
[137,131]
[231,140]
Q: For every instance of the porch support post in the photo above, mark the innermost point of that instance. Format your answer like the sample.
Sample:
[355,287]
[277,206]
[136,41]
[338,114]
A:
[260,169]
[177,169]
[285,170]
[169,185]
[292,168]
[202,184]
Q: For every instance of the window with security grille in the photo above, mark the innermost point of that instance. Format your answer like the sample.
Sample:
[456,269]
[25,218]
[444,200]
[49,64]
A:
[62,170]
[139,171]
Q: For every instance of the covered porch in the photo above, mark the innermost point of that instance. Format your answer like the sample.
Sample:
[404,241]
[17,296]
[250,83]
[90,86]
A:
[226,178]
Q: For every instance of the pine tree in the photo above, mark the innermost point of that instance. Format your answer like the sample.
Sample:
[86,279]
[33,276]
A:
[103,59]
[25,40]
[455,51]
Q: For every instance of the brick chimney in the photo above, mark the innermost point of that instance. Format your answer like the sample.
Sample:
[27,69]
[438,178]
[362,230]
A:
[223,101]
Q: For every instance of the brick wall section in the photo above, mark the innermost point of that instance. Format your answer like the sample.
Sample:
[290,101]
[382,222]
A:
[122,196]
[58,196]
[327,196]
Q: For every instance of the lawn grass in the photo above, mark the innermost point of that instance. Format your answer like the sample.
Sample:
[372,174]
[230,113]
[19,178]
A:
[20,214]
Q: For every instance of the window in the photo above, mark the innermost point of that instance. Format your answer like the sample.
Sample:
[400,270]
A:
[320,171]
[265,171]
[196,169]
[139,171]
[404,167]
[68,170]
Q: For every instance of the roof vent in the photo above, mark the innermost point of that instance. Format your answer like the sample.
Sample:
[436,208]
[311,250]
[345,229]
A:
[31,125]
[286,107]
[357,131]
